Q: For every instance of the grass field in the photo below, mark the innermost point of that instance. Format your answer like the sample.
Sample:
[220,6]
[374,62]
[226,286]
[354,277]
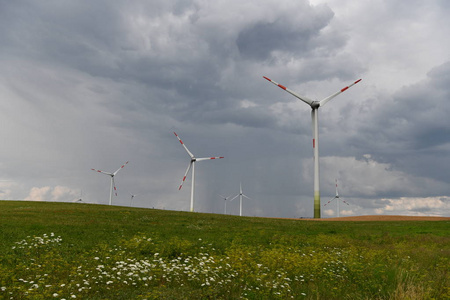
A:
[86,251]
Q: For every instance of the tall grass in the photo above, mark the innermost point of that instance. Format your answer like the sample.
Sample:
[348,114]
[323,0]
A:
[81,251]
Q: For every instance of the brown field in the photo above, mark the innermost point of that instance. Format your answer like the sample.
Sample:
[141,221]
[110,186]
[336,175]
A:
[385,218]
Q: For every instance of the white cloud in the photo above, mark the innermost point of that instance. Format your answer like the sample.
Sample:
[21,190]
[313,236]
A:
[57,193]
[435,206]
[365,177]
[39,194]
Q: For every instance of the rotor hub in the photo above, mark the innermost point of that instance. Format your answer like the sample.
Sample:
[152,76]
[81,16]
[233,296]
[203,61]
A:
[315,104]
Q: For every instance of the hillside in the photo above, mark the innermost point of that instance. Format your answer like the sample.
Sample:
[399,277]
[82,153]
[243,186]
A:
[86,251]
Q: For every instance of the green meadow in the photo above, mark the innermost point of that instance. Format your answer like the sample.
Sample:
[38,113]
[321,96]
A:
[87,251]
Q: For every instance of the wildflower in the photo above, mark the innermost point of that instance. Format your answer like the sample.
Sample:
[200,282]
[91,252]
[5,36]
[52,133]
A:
[55,295]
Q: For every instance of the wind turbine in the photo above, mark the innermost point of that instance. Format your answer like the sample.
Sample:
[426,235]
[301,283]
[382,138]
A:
[240,198]
[192,164]
[225,198]
[113,185]
[336,197]
[315,120]
[132,196]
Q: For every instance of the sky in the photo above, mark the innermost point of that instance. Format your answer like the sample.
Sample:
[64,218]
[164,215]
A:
[93,84]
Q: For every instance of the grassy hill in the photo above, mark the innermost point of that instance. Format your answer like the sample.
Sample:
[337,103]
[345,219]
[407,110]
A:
[86,251]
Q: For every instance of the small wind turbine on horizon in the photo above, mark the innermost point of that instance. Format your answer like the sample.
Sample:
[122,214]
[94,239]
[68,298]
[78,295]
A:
[192,165]
[337,201]
[225,198]
[240,198]
[113,185]
[131,200]
[315,120]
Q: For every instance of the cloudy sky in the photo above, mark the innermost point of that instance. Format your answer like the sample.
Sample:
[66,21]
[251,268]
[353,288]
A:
[93,84]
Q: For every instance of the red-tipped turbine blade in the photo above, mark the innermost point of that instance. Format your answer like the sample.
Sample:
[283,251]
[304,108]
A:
[324,101]
[208,158]
[304,99]
[114,185]
[185,174]
[329,201]
[98,171]
[121,167]
[184,146]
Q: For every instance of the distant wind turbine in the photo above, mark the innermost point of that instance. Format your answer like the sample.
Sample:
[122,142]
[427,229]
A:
[113,185]
[240,198]
[131,200]
[192,164]
[337,200]
[225,198]
[315,120]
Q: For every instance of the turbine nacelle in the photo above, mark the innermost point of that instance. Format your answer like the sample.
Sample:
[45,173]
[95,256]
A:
[315,104]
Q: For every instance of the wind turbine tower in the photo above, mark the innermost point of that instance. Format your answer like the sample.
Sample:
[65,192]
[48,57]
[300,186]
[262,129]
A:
[225,199]
[240,198]
[315,142]
[192,165]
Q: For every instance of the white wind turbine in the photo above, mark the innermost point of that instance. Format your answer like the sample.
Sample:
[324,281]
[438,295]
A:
[225,198]
[240,198]
[315,120]
[337,201]
[113,185]
[192,164]
[132,197]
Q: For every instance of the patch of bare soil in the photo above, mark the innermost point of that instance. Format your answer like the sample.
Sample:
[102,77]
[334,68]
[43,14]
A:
[385,218]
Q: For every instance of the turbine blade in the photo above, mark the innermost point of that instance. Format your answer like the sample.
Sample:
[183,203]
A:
[185,174]
[234,197]
[114,185]
[246,197]
[121,167]
[337,194]
[185,148]
[304,99]
[329,201]
[345,202]
[110,174]
[208,158]
[324,101]
[313,126]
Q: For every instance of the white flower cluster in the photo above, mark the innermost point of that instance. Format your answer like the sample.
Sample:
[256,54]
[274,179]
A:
[38,241]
